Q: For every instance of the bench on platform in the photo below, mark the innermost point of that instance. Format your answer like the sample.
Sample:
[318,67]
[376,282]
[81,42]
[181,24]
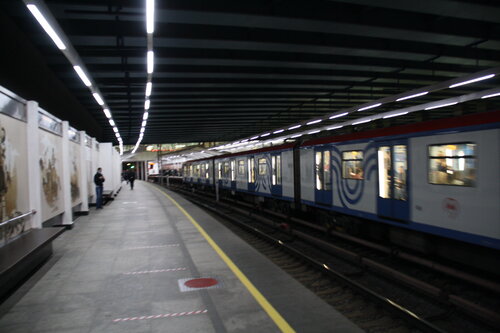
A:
[22,256]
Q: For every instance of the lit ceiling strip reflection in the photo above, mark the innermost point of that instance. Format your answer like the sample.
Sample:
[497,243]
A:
[49,24]
[150,28]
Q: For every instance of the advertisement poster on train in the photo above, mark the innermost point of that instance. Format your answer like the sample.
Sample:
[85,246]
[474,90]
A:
[74,169]
[13,170]
[51,174]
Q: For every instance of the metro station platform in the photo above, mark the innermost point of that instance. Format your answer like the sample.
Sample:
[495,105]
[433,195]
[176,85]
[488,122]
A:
[151,261]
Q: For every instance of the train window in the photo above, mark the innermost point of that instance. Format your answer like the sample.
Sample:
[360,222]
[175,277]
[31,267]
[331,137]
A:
[326,171]
[352,164]
[197,171]
[207,174]
[219,170]
[241,167]
[262,166]
[190,171]
[322,169]
[233,170]
[384,172]
[251,170]
[225,171]
[453,164]
[276,166]
[318,168]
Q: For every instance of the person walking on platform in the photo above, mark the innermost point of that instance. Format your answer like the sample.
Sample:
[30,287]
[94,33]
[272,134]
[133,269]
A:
[131,178]
[98,180]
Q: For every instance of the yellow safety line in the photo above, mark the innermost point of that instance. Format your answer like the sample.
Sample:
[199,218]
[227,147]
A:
[270,310]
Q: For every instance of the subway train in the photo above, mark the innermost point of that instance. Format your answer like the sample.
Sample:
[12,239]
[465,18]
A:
[439,177]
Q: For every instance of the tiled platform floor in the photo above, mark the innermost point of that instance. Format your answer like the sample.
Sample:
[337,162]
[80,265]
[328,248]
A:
[118,270]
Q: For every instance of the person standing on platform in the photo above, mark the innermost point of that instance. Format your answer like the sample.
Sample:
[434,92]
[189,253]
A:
[131,178]
[98,181]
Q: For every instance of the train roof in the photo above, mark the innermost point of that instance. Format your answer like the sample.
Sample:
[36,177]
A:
[431,125]
[246,152]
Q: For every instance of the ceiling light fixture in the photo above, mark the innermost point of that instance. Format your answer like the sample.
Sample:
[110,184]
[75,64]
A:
[362,122]
[370,107]
[395,115]
[149,87]
[265,134]
[473,80]
[314,132]
[145,116]
[334,128]
[107,113]
[296,136]
[412,96]
[278,131]
[115,129]
[150,16]
[339,115]
[150,58]
[147,103]
[98,98]
[294,127]
[46,26]
[253,138]
[314,122]
[143,123]
[112,122]
[492,95]
[440,106]
[82,75]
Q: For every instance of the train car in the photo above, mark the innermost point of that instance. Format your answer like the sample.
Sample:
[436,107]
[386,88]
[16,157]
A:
[439,177]
[199,172]
[266,172]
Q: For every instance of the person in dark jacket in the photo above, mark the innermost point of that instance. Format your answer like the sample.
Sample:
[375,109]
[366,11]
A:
[131,178]
[98,181]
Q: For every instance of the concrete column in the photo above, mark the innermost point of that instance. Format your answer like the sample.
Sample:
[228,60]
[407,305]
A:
[33,160]
[84,188]
[67,217]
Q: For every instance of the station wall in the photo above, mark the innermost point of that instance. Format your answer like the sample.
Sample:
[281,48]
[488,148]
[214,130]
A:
[47,166]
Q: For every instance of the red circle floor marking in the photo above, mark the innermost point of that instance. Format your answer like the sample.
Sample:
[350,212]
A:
[201,283]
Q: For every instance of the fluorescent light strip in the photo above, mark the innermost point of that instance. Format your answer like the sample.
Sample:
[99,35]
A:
[255,137]
[98,98]
[82,75]
[112,122]
[492,95]
[370,107]
[143,123]
[145,116]
[294,127]
[107,113]
[412,96]
[339,115]
[440,106]
[149,87]
[243,141]
[115,129]
[265,134]
[46,26]
[147,103]
[314,122]
[150,58]
[142,130]
[314,132]
[473,80]
[117,135]
[362,122]
[278,131]
[296,136]
[150,16]
[395,115]
[334,128]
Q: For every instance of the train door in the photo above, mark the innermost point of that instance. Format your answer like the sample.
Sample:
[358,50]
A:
[392,201]
[276,185]
[322,176]
[233,174]
[251,173]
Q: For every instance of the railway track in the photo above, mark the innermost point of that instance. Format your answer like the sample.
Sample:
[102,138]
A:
[370,288]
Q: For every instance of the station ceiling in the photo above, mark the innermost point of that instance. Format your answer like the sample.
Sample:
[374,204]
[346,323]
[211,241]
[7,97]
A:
[226,70]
